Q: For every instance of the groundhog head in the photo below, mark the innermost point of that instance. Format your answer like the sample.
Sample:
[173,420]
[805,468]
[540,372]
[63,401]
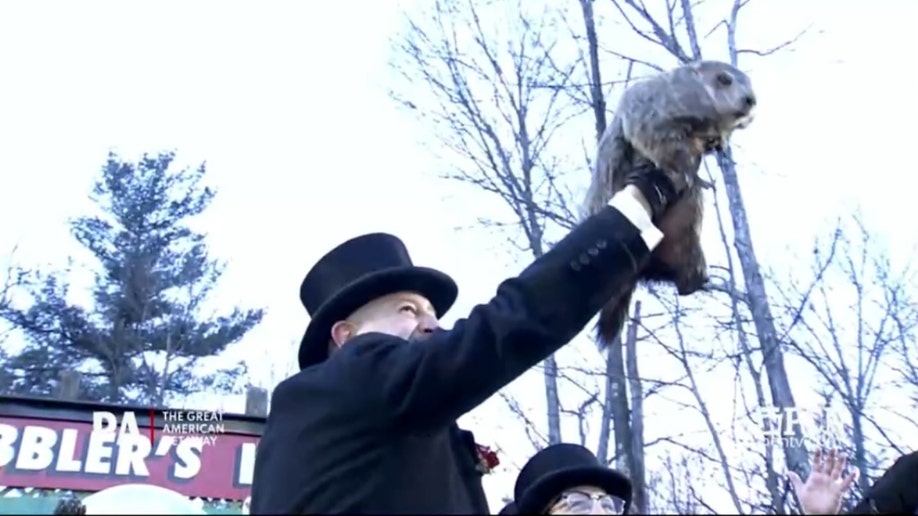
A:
[730,91]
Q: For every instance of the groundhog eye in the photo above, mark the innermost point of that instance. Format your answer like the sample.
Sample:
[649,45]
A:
[724,79]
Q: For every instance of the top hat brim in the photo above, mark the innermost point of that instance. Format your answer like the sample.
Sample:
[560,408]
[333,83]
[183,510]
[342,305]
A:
[434,285]
[549,487]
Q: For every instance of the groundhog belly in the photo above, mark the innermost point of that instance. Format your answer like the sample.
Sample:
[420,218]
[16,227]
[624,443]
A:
[679,258]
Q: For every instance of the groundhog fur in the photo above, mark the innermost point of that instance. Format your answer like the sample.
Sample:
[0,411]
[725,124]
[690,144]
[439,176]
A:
[672,119]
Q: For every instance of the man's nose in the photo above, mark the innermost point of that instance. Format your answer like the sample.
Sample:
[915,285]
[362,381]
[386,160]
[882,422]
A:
[428,324]
[598,509]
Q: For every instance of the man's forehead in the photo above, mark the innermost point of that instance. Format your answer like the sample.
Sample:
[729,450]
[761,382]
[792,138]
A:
[588,489]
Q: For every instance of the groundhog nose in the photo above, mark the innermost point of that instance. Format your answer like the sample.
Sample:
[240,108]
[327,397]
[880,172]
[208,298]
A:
[749,100]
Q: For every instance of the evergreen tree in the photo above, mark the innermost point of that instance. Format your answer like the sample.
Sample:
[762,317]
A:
[145,331]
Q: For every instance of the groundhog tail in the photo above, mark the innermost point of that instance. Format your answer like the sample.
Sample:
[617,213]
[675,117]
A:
[612,319]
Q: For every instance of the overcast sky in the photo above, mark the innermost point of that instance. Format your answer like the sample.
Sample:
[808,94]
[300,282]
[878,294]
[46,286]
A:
[285,103]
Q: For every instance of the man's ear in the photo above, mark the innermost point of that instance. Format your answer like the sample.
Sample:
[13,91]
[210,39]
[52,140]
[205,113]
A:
[341,332]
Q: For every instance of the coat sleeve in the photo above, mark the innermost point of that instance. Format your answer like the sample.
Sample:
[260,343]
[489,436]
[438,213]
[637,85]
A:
[423,387]
[895,492]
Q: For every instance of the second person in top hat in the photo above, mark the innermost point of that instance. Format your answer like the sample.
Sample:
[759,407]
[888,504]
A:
[568,479]
[369,424]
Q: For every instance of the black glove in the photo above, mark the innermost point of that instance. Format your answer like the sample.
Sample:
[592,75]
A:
[896,492]
[654,185]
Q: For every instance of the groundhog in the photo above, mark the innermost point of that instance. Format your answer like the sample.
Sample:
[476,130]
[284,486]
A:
[672,119]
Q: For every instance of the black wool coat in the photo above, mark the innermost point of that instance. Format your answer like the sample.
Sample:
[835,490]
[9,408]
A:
[372,430]
[896,492]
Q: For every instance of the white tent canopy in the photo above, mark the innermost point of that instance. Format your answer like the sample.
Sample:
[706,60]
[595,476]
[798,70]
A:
[139,499]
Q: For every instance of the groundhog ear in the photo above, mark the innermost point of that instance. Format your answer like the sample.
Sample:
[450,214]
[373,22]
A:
[696,67]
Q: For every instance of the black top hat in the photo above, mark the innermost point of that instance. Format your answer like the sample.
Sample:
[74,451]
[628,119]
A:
[355,273]
[560,467]
[510,508]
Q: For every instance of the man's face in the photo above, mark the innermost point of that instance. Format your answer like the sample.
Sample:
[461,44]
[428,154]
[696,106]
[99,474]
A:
[405,314]
[585,500]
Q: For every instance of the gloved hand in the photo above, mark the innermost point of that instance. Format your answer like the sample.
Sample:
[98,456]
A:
[654,185]
[896,492]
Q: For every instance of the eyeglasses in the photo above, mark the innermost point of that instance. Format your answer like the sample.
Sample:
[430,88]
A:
[579,502]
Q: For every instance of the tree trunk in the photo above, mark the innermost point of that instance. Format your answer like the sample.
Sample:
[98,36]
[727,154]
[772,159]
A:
[636,451]
[859,460]
[772,352]
[772,483]
[617,400]
[627,422]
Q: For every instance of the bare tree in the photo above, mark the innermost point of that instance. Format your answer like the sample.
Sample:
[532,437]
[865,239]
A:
[739,310]
[637,466]
[906,366]
[695,364]
[848,324]
[622,411]
[490,111]
[622,414]
[276,367]
[673,489]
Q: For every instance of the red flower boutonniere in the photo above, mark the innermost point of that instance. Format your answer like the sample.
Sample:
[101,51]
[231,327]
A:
[487,459]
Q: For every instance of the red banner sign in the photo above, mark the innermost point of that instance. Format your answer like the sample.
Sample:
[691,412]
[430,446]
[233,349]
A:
[69,455]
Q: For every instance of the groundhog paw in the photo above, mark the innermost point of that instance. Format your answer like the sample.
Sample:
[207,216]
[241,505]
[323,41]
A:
[681,182]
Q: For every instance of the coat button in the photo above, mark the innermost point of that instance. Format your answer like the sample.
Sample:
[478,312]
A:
[584,259]
[593,251]
[575,265]
[601,244]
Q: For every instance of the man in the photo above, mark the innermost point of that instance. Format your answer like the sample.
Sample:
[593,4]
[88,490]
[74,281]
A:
[568,479]
[369,423]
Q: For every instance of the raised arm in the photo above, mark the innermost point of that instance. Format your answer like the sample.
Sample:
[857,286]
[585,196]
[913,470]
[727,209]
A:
[425,386]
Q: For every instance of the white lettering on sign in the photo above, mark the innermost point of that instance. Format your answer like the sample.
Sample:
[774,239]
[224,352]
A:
[107,453]
[99,453]
[188,458]
[107,422]
[132,453]
[35,449]
[68,449]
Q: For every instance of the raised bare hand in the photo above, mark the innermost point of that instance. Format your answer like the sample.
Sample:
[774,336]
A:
[825,486]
